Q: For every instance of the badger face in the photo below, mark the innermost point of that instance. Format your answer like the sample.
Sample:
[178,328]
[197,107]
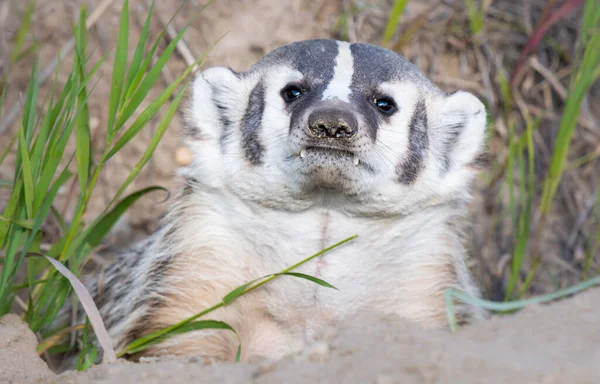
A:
[323,120]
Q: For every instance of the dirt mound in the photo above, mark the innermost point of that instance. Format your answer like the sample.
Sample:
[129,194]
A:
[373,349]
[19,363]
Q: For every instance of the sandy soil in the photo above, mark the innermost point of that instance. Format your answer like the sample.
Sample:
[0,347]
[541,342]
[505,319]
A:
[557,343]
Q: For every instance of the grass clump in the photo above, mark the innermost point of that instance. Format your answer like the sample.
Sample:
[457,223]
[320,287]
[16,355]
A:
[43,164]
[521,184]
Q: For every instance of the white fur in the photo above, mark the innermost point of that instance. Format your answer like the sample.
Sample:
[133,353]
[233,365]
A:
[339,87]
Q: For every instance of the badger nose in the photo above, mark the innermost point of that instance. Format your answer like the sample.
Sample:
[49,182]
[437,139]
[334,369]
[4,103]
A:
[332,123]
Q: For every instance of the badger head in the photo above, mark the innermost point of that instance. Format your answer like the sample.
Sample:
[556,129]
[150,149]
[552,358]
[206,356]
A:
[328,122]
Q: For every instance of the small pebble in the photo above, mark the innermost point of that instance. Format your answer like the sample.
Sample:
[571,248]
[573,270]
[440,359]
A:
[183,156]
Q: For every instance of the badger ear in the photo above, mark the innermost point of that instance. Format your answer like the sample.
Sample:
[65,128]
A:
[460,131]
[216,98]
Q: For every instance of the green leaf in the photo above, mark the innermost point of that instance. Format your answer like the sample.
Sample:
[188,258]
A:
[27,224]
[193,326]
[99,230]
[160,131]
[151,111]
[308,277]
[149,80]
[239,291]
[25,27]
[583,80]
[453,293]
[138,55]
[8,147]
[83,146]
[392,24]
[56,151]
[119,68]
[134,86]
[27,174]
[30,106]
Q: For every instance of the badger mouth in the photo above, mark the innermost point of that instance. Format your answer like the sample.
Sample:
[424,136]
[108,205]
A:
[331,151]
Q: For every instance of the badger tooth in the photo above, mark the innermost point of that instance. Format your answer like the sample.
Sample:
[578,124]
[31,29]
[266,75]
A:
[302,153]
[356,161]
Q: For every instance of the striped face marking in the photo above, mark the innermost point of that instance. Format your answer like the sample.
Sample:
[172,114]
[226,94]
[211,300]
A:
[339,86]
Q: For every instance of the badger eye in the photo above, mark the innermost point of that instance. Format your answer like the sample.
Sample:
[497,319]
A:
[291,93]
[385,105]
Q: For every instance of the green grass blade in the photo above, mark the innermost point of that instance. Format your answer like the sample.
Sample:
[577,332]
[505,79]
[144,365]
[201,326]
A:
[83,146]
[99,230]
[308,277]
[152,110]
[239,291]
[136,61]
[583,80]
[453,293]
[476,17]
[392,24]
[46,205]
[193,326]
[31,102]
[7,273]
[41,141]
[160,131]
[119,68]
[27,173]
[9,147]
[12,206]
[137,79]
[55,155]
[591,19]
[2,95]
[149,80]
[23,31]
[76,242]
[27,224]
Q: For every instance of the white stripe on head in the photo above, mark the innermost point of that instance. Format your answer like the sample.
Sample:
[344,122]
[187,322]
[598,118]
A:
[339,87]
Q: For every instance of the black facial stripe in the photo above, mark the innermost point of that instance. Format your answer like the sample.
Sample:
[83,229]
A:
[366,79]
[453,132]
[251,124]
[418,143]
[315,60]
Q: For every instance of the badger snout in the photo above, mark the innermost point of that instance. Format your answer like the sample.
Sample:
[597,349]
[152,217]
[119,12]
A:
[332,123]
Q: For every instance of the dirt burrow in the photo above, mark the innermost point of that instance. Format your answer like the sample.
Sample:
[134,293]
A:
[556,343]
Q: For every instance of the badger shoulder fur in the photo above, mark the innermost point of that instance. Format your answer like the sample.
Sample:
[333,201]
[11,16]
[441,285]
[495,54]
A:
[316,142]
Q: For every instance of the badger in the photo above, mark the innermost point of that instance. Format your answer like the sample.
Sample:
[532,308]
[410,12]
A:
[318,141]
